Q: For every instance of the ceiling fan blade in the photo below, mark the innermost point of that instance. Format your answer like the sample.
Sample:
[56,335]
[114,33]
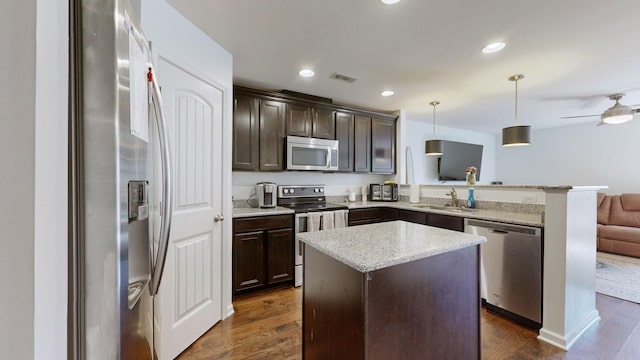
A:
[576,117]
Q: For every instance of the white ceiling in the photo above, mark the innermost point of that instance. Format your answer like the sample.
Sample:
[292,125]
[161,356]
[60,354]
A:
[572,52]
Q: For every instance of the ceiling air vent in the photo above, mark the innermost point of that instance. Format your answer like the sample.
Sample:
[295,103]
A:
[342,77]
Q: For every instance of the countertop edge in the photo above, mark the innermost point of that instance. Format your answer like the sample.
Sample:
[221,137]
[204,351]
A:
[314,240]
[253,212]
[481,214]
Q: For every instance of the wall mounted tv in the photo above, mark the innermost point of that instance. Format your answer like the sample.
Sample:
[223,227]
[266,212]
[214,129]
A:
[455,159]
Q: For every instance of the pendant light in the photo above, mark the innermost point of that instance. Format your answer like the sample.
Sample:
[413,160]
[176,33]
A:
[433,147]
[517,135]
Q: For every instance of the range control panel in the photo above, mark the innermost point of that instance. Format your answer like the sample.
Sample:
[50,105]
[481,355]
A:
[291,191]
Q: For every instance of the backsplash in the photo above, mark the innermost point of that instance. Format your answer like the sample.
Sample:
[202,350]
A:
[487,205]
[337,184]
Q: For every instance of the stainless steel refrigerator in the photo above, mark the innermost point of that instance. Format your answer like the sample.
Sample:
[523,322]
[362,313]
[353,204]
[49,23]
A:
[118,143]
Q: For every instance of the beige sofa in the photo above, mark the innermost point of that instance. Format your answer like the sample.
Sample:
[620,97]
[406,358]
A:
[619,224]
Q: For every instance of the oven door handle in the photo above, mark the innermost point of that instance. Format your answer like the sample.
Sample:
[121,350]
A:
[297,230]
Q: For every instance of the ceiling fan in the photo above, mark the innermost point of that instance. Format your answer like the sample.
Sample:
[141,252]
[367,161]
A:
[617,114]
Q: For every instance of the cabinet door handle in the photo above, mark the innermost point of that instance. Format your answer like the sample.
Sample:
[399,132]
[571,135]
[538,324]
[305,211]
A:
[218,218]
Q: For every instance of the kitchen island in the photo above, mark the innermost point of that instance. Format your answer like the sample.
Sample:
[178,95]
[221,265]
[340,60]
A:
[394,290]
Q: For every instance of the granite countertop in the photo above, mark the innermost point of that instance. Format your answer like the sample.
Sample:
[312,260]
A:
[515,186]
[376,246]
[249,211]
[516,218]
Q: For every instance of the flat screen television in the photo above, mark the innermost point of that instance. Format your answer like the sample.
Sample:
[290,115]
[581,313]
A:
[455,159]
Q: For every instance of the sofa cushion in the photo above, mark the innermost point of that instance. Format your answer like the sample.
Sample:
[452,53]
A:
[604,207]
[622,233]
[621,216]
[630,202]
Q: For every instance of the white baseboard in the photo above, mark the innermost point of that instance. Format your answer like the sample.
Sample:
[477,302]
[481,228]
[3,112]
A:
[567,340]
[229,311]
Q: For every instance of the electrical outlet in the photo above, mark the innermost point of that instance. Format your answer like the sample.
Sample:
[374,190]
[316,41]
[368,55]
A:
[529,199]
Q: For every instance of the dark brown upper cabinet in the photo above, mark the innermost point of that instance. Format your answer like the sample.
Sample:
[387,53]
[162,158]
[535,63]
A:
[345,137]
[307,121]
[323,124]
[262,119]
[298,120]
[271,135]
[383,144]
[246,141]
[362,144]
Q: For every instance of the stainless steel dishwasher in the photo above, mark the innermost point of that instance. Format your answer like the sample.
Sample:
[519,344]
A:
[510,269]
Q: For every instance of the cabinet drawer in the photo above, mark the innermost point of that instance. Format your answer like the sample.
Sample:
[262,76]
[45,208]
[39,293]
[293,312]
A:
[364,214]
[446,222]
[417,217]
[262,223]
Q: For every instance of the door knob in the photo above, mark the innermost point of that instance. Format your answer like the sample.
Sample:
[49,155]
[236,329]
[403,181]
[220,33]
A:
[218,218]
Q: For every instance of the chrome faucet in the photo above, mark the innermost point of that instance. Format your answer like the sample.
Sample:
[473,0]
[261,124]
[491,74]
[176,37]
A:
[454,197]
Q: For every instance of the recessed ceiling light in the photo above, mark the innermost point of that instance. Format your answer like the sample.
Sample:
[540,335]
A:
[387,93]
[494,47]
[306,73]
[390,2]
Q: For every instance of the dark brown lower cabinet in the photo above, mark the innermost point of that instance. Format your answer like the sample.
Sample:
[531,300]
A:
[377,214]
[248,261]
[416,217]
[365,216]
[424,309]
[449,222]
[262,252]
[279,256]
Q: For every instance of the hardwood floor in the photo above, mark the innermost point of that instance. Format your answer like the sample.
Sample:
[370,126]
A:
[269,326]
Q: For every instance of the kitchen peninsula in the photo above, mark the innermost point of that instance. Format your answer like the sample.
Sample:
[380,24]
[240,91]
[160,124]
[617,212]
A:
[391,290]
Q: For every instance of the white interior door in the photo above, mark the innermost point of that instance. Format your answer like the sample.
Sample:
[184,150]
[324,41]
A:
[189,300]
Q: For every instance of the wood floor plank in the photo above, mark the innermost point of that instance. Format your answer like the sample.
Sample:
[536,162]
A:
[631,348]
[607,306]
[268,325]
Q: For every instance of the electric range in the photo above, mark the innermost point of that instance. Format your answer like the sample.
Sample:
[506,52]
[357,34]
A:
[304,199]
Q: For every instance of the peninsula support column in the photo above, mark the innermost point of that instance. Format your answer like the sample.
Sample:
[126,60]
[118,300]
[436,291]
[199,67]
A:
[569,298]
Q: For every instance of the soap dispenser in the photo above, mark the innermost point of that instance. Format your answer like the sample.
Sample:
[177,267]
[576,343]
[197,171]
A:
[471,201]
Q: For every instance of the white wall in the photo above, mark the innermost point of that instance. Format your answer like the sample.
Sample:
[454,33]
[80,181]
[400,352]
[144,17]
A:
[33,261]
[414,132]
[50,257]
[577,155]
[17,157]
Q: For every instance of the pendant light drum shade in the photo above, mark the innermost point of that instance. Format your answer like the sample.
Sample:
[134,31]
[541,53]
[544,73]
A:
[516,135]
[433,147]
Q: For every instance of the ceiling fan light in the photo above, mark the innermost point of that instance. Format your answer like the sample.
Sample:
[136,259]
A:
[433,147]
[617,114]
[516,136]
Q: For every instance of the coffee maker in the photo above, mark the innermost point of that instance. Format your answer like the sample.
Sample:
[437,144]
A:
[267,194]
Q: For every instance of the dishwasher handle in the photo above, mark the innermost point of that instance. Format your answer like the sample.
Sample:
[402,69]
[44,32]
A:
[498,231]
[503,228]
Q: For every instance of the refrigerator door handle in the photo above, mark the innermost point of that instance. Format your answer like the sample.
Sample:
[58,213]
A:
[157,267]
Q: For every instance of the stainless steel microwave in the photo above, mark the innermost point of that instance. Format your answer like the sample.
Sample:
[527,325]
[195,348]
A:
[311,154]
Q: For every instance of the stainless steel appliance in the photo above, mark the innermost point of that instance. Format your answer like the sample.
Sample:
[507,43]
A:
[383,192]
[305,199]
[311,154]
[115,262]
[511,269]
[267,194]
